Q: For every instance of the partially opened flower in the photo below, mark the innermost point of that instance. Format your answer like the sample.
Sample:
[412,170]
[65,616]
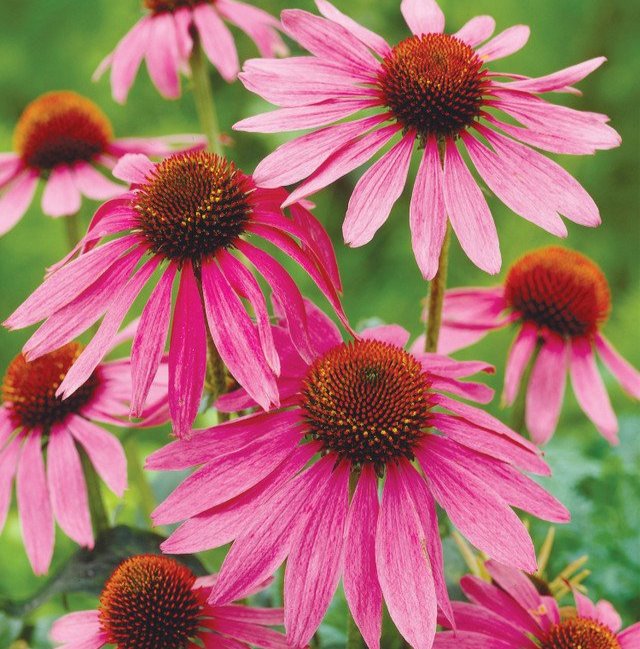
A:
[560,299]
[155,602]
[165,36]
[66,140]
[184,217]
[509,613]
[40,439]
[362,412]
[434,91]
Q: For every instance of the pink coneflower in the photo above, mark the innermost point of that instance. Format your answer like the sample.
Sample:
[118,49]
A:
[35,423]
[561,300]
[184,216]
[164,37]
[65,138]
[434,90]
[155,602]
[509,613]
[362,411]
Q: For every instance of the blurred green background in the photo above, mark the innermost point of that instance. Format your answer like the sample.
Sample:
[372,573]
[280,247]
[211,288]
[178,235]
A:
[57,44]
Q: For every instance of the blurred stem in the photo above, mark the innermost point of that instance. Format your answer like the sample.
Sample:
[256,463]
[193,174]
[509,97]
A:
[97,508]
[203,95]
[139,478]
[72,227]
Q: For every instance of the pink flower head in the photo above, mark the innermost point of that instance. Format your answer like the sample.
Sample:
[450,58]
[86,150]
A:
[155,602]
[35,423]
[62,138]
[560,299]
[184,216]
[358,412]
[433,89]
[164,37]
[509,613]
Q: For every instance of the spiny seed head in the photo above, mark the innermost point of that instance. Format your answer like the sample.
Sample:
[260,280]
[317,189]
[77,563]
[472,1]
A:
[559,289]
[61,128]
[192,205]
[433,83]
[368,401]
[149,603]
[580,633]
[29,389]
[159,6]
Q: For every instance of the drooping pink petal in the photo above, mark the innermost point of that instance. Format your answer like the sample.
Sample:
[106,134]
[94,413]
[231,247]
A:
[16,199]
[423,16]
[472,391]
[469,213]
[376,192]
[134,168]
[476,30]
[545,391]
[561,80]
[93,184]
[404,567]
[184,21]
[315,562]
[627,376]
[217,41]
[505,43]
[76,627]
[162,55]
[34,505]
[127,58]
[9,455]
[243,632]
[10,166]
[519,357]
[589,389]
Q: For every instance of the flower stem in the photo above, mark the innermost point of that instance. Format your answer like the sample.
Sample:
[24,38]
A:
[518,409]
[203,96]
[139,478]
[97,508]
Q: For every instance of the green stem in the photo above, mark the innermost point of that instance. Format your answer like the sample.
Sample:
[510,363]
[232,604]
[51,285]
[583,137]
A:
[97,508]
[139,478]
[203,95]
[518,409]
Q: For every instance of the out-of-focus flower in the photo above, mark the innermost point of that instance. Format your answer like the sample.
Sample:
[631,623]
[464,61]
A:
[184,216]
[356,412]
[155,602]
[164,37]
[433,89]
[36,424]
[560,299]
[64,139]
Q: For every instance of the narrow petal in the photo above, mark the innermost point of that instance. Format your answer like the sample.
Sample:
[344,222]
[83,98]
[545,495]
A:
[9,455]
[475,31]
[423,16]
[16,199]
[127,58]
[505,43]
[519,357]
[627,376]
[560,80]
[518,585]
[217,41]
[162,56]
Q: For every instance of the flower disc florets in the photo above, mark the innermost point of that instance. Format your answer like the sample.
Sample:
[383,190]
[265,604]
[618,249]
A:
[433,83]
[580,633]
[159,6]
[29,389]
[559,289]
[192,205]
[368,401]
[61,128]
[148,603]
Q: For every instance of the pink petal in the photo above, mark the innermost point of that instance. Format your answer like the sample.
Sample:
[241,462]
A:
[404,567]
[469,640]
[627,376]
[34,505]
[470,617]
[76,627]
[127,58]
[10,166]
[392,334]
[162,55]
[61,196]
[608,615]
[453,338]
[16,199]
[475,31]
[478,392]
[134,168]
[376,192]
[428,219]
[361,586]
[518,360]
[505,43]
[514,582]
[9,456]
[423,16]
[67,487]
[93,184]
[589,389]
[217,41]
[545,391]
[469,213]
[630,637]
[559,80]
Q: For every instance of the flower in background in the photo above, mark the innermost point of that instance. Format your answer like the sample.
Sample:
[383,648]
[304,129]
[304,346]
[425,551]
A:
[65,138]
[560,299]
[355,413]
[164,37]
[509,613]
[435,90]
[36,424]
[155,602]
[184,216]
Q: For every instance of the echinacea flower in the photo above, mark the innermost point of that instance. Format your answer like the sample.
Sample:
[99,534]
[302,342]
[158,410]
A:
[509,613]
[433,90]
[64,138]
[155,602]
[358,412]
[184,216]
[164,37]
[36,424]
[560,299]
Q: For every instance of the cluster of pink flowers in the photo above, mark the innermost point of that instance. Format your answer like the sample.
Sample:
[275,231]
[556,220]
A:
[335,447]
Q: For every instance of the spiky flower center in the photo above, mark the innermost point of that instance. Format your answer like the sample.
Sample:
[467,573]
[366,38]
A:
[159,6]
[368,401]
[148,603]
[29,389]
[580,633]
[61,128]
[433,83]
[559,289]
[193,204]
